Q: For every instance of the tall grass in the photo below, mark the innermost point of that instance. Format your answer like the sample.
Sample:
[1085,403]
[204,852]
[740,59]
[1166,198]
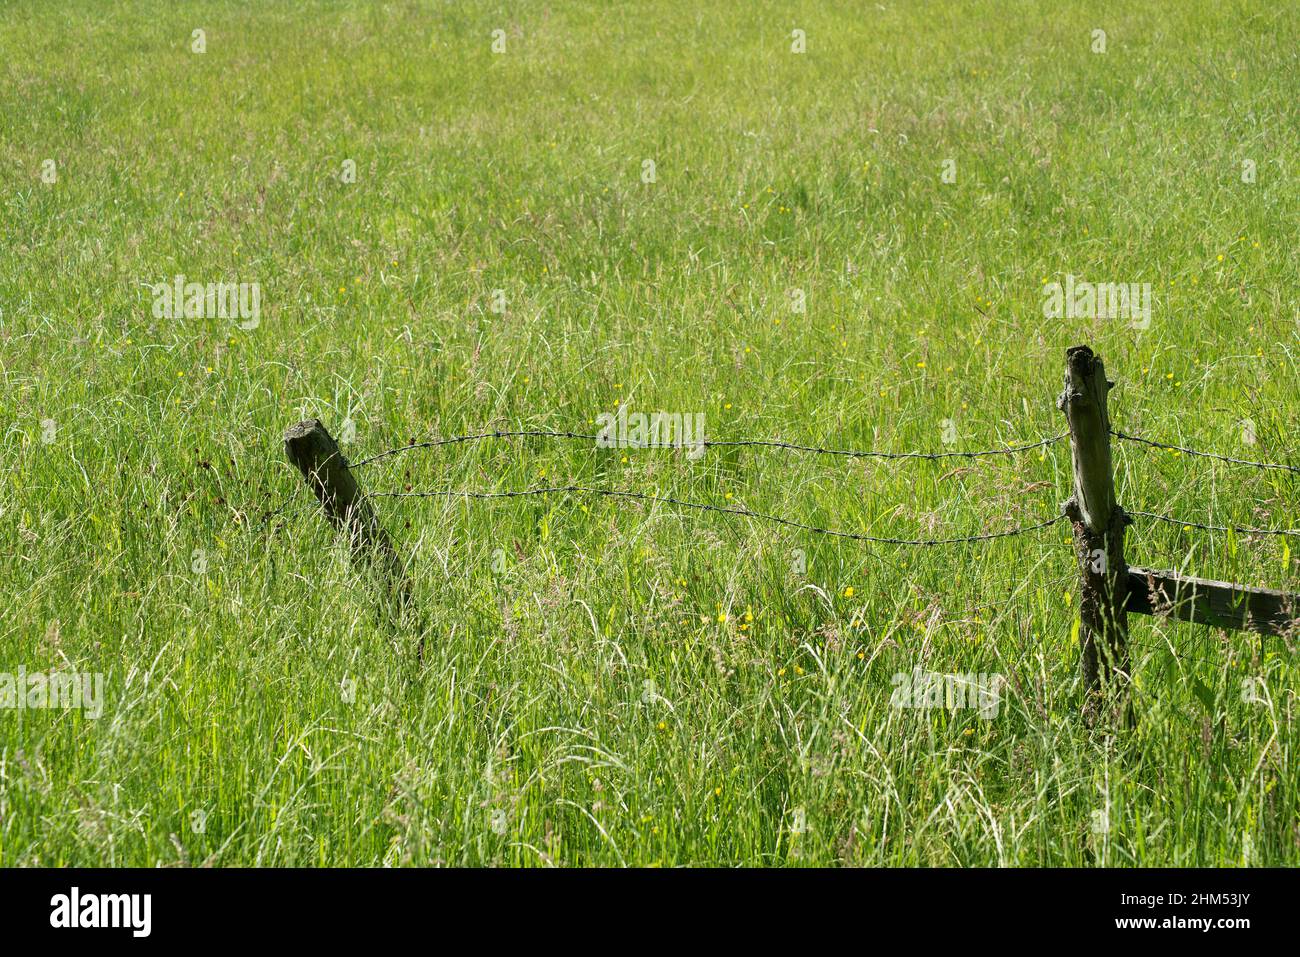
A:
[607,682]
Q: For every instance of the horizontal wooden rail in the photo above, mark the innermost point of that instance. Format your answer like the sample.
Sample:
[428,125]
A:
[1204,601]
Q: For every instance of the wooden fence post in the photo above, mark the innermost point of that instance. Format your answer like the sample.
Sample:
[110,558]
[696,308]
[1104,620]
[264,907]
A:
[310,447]
[1099,524]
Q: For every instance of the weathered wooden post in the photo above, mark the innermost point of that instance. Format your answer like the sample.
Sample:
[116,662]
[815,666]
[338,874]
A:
[310,447]
[1099,524]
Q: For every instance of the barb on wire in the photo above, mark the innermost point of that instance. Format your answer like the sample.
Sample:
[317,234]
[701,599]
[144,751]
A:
[1215,528]
[1207,455]
[743,512]
[712,443]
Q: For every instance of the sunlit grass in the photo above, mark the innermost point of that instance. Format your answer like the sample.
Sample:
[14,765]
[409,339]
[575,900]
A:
[608,682]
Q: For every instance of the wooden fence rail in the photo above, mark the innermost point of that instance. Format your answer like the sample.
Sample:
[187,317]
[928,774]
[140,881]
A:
[1203,601]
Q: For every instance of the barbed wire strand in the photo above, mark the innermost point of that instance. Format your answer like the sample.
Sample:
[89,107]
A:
[771,443]
[853,453]
[435,443]
[742,512]
[718,443]
[270,515]
[1214,528]
[1208,455]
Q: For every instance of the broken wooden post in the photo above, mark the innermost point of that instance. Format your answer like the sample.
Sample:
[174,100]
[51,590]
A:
[313,450]
[1099,525]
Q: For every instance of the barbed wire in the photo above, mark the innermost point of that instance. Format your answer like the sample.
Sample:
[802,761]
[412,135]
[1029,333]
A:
[715,443]
[435,443]
[853,453]
[742,512]
[271,514]
[1214,528]
[1208,455]
[791,446]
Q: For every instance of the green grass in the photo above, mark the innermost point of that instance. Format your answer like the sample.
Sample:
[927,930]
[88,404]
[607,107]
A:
[530,735]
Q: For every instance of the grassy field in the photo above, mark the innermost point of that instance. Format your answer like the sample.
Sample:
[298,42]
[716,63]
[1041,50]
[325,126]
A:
[611,682]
